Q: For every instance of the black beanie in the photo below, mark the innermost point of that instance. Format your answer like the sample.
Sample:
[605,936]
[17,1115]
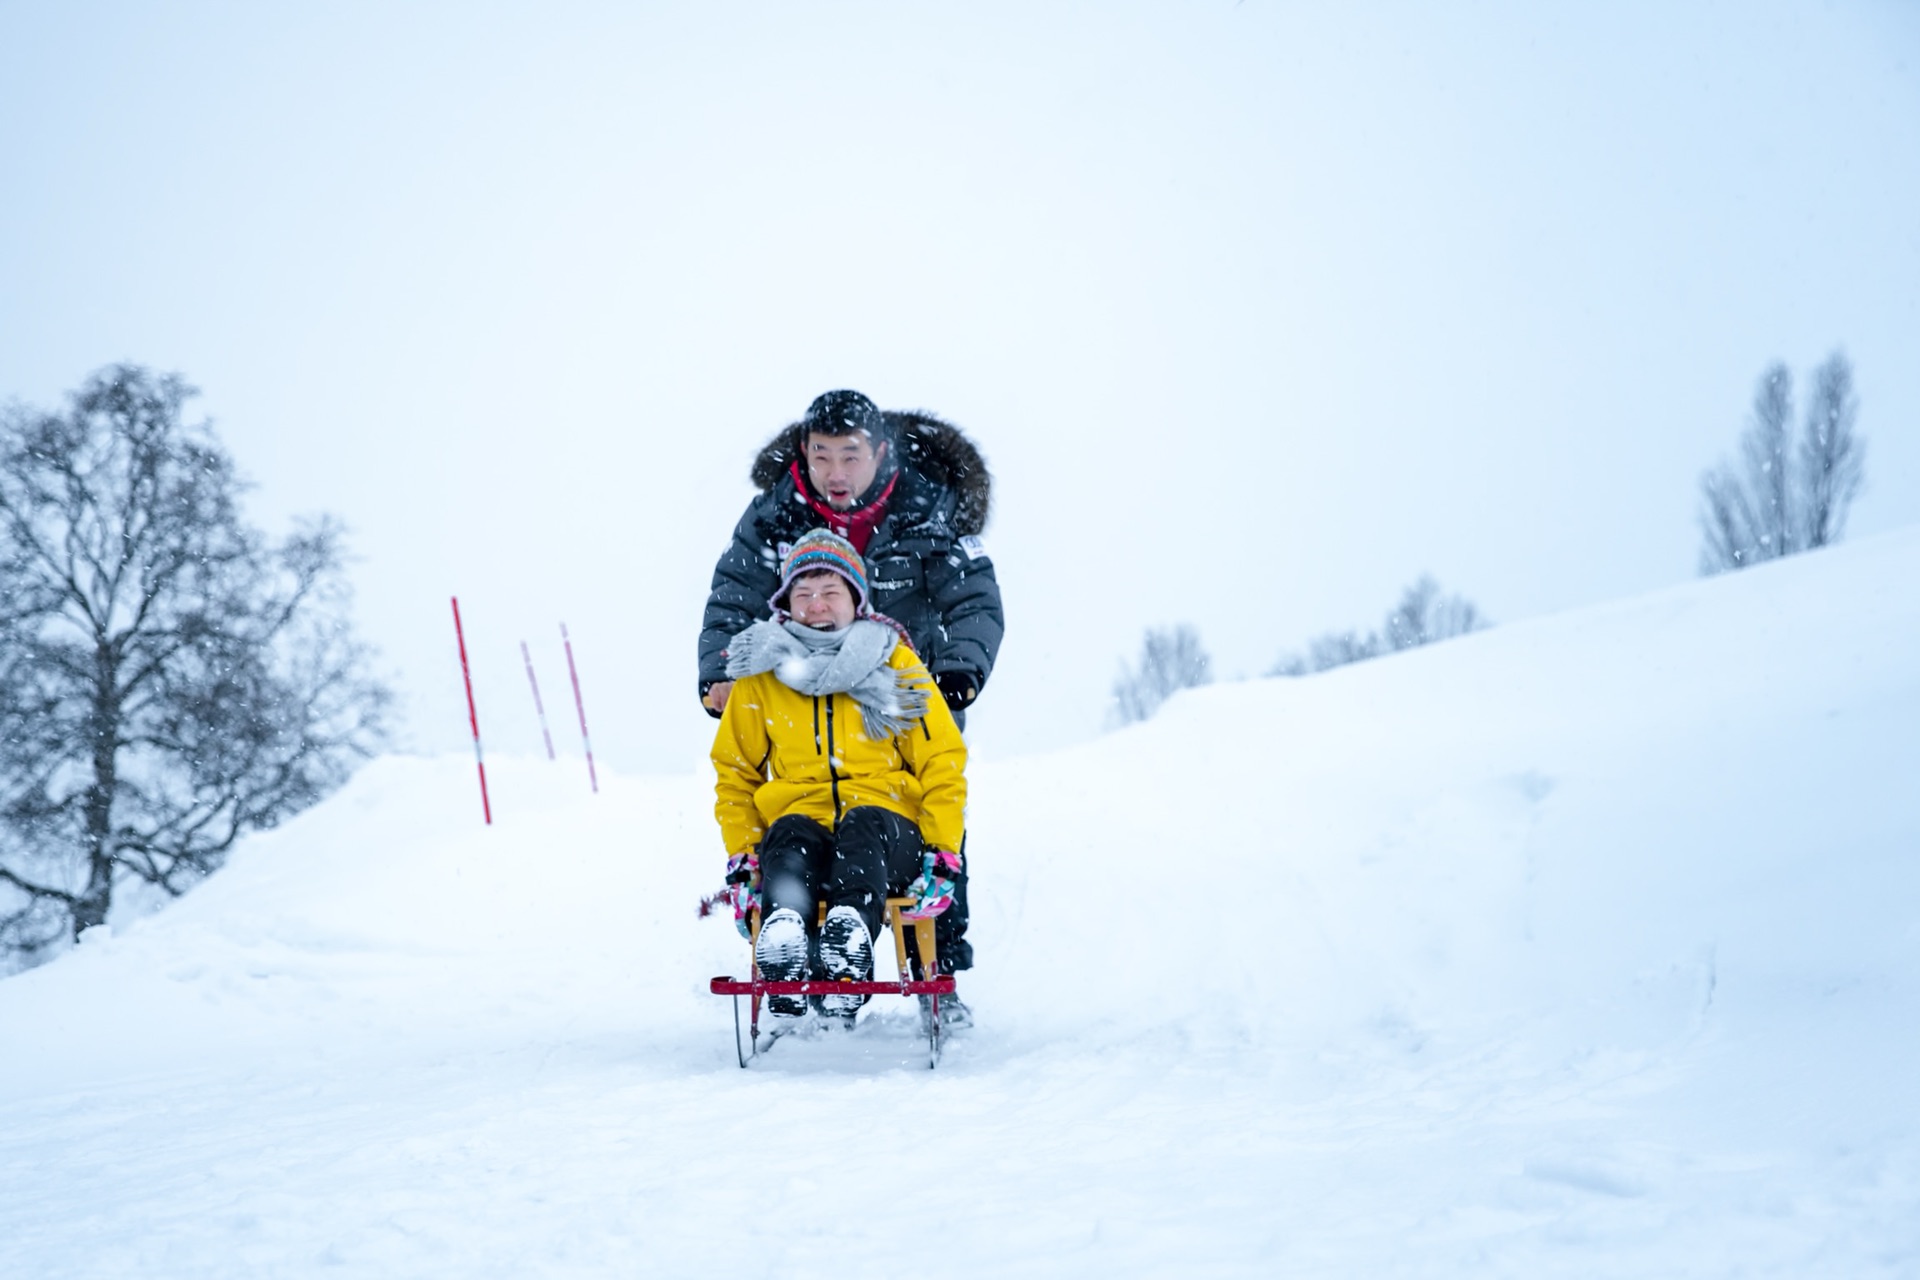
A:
[840,413]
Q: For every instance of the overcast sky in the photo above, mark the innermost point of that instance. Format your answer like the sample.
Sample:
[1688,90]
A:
[1257,310]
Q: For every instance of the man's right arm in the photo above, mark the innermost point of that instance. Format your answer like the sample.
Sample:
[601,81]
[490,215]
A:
[746,574]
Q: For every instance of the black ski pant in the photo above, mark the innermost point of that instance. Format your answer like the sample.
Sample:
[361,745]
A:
[950,929]
[872,854]
[950,926]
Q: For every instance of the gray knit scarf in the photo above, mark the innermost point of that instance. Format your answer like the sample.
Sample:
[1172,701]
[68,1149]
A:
[817,663]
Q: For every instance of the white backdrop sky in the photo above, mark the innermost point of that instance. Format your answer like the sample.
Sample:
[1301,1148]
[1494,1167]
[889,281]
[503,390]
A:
[1257,310]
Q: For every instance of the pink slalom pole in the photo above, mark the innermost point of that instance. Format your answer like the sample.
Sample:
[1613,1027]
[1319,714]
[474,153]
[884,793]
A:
[574,674]
[537,705]
[473,716]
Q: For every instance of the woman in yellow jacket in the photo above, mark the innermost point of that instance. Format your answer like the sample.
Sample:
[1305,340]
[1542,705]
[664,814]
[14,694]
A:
[840,775]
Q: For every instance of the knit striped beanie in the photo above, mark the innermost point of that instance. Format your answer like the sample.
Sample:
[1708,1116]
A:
[823,549]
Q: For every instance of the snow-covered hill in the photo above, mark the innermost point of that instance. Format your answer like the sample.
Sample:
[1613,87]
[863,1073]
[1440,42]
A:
[1586,946]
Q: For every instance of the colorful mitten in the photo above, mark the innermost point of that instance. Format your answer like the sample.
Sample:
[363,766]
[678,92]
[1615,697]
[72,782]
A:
[932,892]
[743,886]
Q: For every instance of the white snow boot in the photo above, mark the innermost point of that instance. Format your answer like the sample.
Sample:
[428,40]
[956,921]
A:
[954,1015]
[846,951]
[781,954]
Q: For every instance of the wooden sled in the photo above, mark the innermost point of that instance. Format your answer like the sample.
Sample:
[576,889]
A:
[755,989]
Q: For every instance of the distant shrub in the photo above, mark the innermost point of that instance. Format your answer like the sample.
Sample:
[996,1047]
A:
[1422,616]
[1171,659]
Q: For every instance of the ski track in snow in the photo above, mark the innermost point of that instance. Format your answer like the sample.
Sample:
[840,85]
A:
[1550,951]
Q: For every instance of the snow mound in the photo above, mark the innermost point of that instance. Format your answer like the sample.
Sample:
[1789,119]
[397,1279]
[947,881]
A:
[1587,945]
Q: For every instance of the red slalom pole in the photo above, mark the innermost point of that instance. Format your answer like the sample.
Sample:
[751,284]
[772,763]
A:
[537,706]
[473,716]
[581,707]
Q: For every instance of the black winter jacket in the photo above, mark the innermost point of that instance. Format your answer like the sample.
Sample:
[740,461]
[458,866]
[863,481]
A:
[925,563]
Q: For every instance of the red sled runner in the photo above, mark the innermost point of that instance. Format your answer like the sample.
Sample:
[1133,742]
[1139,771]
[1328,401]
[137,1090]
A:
[757,989]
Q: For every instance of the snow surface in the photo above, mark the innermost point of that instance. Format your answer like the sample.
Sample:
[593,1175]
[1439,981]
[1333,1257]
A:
[1581,947]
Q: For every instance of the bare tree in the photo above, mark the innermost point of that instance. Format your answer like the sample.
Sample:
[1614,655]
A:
[1775,500]
[1171,659]
[1423,616]
[1832,457]
[1329,650]
[169,680]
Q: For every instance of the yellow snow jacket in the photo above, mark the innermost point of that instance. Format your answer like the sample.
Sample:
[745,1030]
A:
[779,751]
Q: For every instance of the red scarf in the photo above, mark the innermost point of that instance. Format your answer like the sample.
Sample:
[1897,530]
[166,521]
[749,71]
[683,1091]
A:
[856,526]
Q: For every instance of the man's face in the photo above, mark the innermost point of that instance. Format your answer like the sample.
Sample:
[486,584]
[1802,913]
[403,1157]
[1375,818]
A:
[821,600]
[843,467]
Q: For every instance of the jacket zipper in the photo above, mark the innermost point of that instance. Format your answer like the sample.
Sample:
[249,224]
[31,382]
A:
[833,774]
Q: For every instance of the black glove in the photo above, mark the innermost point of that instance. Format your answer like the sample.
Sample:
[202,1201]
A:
[958,688]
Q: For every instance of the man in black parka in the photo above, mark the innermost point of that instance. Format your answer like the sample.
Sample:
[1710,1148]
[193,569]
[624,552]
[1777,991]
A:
[912,494]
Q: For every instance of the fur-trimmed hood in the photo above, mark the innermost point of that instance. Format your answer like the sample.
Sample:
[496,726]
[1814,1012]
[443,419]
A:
[933,448]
